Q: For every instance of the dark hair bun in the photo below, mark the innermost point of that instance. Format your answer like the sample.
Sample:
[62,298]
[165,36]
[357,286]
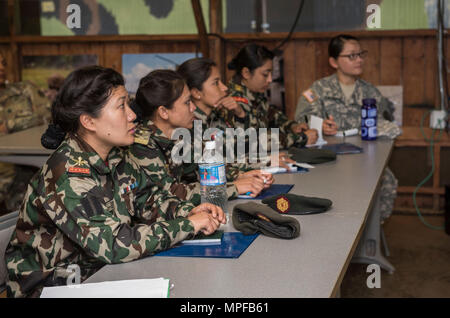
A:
[53,137]
[232,65]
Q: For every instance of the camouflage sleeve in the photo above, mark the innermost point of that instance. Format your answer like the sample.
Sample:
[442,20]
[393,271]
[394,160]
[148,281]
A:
[387,109]
[232,192]
[280,120]
[165,184]
[77,207]
[246,122]
[308,104]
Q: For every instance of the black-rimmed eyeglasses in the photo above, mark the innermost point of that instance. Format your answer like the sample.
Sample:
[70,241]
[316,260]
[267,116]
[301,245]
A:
[353,56]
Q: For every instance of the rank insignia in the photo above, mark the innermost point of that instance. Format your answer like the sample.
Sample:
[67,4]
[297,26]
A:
[142,137]
[240,99]
[78,167]
[283,204]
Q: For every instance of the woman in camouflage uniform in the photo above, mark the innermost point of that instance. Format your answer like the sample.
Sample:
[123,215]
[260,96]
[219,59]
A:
[253,74]
[90,205]
[165,102]
[217,109]
[338,99]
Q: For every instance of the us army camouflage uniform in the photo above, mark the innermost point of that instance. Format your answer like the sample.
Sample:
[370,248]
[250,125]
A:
[22,106]
[262,115]
[80,210]
[233,169]
[152,150]
[326,97]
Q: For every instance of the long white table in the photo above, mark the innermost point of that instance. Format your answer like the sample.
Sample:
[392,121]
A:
[312,265]
[24,147]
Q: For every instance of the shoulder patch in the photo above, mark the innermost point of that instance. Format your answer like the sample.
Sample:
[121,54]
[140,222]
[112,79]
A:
[309,95]
[142,137]
[241,99]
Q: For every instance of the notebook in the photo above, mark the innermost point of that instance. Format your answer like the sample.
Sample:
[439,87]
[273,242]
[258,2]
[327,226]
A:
[232,246]
[343,148]
[273,190]
[202,239]
[136,288]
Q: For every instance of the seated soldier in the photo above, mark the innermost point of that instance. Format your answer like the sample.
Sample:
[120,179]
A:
[22,106]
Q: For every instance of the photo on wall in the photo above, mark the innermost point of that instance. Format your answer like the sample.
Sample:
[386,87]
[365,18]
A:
[49,72]
[136,66]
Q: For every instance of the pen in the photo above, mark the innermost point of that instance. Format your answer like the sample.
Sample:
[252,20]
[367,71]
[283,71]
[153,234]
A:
[327,117]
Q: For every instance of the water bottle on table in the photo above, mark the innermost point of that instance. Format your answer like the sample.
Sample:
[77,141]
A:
[213,180]
[369,119]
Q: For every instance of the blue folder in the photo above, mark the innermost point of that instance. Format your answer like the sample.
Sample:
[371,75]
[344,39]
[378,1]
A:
[232,246]
[273,190]
[343,148]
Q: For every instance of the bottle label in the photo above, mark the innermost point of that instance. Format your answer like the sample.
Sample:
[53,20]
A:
[370,122]
[372,112]
[372,132]
[212,175]
[363,113]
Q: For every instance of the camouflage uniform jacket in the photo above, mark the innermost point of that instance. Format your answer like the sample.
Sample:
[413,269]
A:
[262,115]
[80,210]
[152,150]
[233,169]
[326,97]
[22,106]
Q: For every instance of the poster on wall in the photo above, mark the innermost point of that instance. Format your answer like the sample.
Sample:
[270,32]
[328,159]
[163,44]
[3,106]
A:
[136,66]
[49,72]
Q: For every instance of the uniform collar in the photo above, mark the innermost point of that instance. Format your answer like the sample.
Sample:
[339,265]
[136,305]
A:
[251,96]
[200,114]
[155,134]
[83,155]
[336,86]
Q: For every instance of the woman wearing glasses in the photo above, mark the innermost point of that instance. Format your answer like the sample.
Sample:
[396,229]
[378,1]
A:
[338,100]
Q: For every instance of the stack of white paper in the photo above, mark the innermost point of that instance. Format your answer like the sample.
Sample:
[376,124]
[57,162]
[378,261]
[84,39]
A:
[138,288]
[316,123]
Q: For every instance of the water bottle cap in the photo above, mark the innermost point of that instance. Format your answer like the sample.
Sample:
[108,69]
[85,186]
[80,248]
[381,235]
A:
[210,145]
[369,101]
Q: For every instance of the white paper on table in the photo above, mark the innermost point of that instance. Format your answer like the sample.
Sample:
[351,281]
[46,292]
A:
[304,165]
[136,288]
[316,123]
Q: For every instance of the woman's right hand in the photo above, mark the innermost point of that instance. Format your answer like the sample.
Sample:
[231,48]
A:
[207,218]
[283,160]
[246,184]
[329,126]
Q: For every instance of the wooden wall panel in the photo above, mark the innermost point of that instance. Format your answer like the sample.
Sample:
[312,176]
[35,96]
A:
[399,58]
[305,69]
[431,84]
[290,72]
[390,61]
[372,62]
[413,80]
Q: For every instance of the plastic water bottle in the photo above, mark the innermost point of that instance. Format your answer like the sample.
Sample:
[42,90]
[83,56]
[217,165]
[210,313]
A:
[213,180]
[369,119]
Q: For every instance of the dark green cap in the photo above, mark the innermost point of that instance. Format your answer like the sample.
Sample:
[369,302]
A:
[297,204]
[311,155]
[252,217]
